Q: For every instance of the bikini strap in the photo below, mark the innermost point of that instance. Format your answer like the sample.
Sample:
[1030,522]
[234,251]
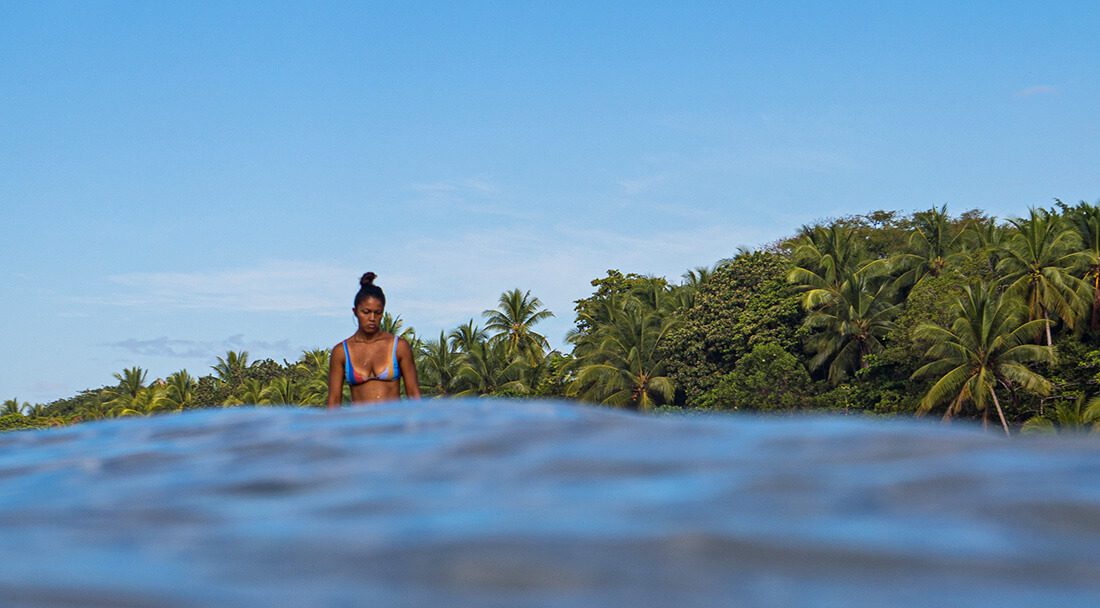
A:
[349,371]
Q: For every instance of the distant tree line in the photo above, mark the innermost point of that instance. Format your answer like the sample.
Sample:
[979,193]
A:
[883,314]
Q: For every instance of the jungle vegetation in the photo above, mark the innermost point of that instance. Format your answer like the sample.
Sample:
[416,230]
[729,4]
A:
[925,314]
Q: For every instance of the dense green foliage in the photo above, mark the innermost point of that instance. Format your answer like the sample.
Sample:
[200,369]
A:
[767,379]
[743,302]
[886,314]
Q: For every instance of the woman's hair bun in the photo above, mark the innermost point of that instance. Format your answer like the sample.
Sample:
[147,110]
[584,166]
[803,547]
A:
[367,289]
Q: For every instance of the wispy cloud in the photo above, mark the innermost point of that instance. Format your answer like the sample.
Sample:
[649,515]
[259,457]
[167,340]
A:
[432,282]
[804,160]
[476,197]
[643,184]
[683,212]
[269,287]
[195,349]
[1041,89]
[555,262]
[479,185]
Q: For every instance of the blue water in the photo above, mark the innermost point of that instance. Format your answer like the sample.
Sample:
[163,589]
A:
[499,503]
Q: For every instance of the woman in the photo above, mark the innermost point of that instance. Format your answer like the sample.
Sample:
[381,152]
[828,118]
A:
[371,361]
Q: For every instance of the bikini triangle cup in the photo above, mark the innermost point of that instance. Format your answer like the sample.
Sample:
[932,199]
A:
[393,372]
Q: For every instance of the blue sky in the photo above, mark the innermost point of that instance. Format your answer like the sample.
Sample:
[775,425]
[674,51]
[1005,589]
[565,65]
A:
[181,179]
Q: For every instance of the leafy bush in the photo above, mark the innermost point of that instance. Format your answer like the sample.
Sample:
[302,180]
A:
[767,379]
[12,422]
[747,301]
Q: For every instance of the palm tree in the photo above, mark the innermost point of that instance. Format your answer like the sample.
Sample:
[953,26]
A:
[283,391]
[252,391]
[133,398]
[1036,267]
[824,258]
[693,281]
[850,326]
[621,363]
[151,401]
[93,405]
[513,320]
[986,236]
[314,366]
[696,277]
[850,305]
[396,326]
[231,369]
[1085,219]
[660,296]
[931,246]
[126,398]
[439,365]
[1076,417]
[315,362]
[131,381]
[680,299]
[13,407]
[988,346]
[464,337]
[536,378]
[180,390]
[487,369]
[36,411]
[41,415]
[599,313]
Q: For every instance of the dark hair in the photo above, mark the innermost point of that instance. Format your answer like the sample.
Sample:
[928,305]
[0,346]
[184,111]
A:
[367,289]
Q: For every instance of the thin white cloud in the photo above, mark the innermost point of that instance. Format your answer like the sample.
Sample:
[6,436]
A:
[684,211]
[269,287]
[432,283]
[795,159]
[477,184]
[643,184]
[1041,89]
[474,198]
[196,349]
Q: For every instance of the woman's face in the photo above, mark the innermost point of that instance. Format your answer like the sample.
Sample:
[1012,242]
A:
[369,312]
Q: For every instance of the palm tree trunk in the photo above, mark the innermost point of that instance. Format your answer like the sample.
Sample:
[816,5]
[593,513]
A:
[1046,318]
[1095,320]
[1000,413]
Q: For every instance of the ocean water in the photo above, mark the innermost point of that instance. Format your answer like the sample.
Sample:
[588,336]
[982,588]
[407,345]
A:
[527,503]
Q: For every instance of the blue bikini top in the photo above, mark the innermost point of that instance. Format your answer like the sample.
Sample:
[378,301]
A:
[393,372]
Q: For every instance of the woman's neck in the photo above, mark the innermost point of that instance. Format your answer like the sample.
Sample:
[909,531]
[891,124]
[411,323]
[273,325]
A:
[363,336]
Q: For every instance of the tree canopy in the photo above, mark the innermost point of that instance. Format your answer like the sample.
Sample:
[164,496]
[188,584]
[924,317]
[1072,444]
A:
[882,313]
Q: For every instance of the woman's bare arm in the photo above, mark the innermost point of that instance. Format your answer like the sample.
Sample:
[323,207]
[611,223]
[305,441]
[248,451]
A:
[336,378]
[408,370]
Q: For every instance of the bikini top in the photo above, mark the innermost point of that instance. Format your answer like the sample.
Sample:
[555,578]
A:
[392,373]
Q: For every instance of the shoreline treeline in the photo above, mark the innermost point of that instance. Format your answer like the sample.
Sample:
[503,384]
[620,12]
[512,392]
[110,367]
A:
[883,314]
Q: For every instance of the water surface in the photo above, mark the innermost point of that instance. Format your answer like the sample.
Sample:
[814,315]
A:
[525,503]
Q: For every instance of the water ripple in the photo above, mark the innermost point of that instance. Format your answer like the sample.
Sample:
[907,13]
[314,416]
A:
[500,503]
